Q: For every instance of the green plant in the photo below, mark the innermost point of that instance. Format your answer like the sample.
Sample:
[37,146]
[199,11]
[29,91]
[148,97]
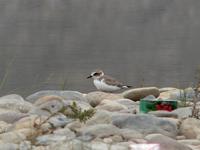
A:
[77,113]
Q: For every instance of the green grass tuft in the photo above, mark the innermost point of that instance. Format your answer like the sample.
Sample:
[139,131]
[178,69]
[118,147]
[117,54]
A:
[77,113]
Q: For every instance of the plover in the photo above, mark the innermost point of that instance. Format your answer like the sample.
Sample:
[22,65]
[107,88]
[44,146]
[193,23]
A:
[105,82]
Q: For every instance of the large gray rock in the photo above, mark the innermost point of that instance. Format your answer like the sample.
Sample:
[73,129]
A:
[111,106]
[175,121]
[133,107]
[47,105]
[161,113]
[183,112]
[179,94]
[85,138]
[165,142]
[59,120]
[127,102]
[139,93]
[29,122]
[9,146]
[46,99]
[94,145]
[100,130]
[145,124]
[75,125]
[190,128]
[11,116]
[72,145]
[66,95]
[12,137]
[190,141]
[12,97]
[66,132]
[4,127]
[165,89]
[95,98]
[130,134]
[25,145]
[100,117]
[16,103]
[113,139]
[49,138]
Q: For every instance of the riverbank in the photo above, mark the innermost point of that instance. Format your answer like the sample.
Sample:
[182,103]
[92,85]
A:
[58,120]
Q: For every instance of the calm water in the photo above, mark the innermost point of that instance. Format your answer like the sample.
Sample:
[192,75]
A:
[52,44]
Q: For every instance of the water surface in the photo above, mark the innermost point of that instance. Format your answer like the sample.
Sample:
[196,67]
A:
[52,44]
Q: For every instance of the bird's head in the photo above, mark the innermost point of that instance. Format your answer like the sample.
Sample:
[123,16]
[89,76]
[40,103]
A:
[96,74]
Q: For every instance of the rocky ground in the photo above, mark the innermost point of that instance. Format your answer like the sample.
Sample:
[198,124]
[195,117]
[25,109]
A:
[37,122]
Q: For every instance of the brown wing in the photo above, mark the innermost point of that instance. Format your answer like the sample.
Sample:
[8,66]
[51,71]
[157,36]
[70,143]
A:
[111,81]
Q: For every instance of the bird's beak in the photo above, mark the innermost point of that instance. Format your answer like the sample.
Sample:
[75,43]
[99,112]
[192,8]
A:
[89,77]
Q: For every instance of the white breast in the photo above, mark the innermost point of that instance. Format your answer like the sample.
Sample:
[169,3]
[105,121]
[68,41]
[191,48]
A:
[100,85]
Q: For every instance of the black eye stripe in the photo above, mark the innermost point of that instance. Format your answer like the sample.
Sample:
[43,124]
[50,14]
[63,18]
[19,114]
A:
[96,74]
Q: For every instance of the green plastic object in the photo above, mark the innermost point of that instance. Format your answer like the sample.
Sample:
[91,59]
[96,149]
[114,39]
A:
[154,105]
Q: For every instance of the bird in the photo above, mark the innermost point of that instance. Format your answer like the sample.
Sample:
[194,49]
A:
[106,83]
